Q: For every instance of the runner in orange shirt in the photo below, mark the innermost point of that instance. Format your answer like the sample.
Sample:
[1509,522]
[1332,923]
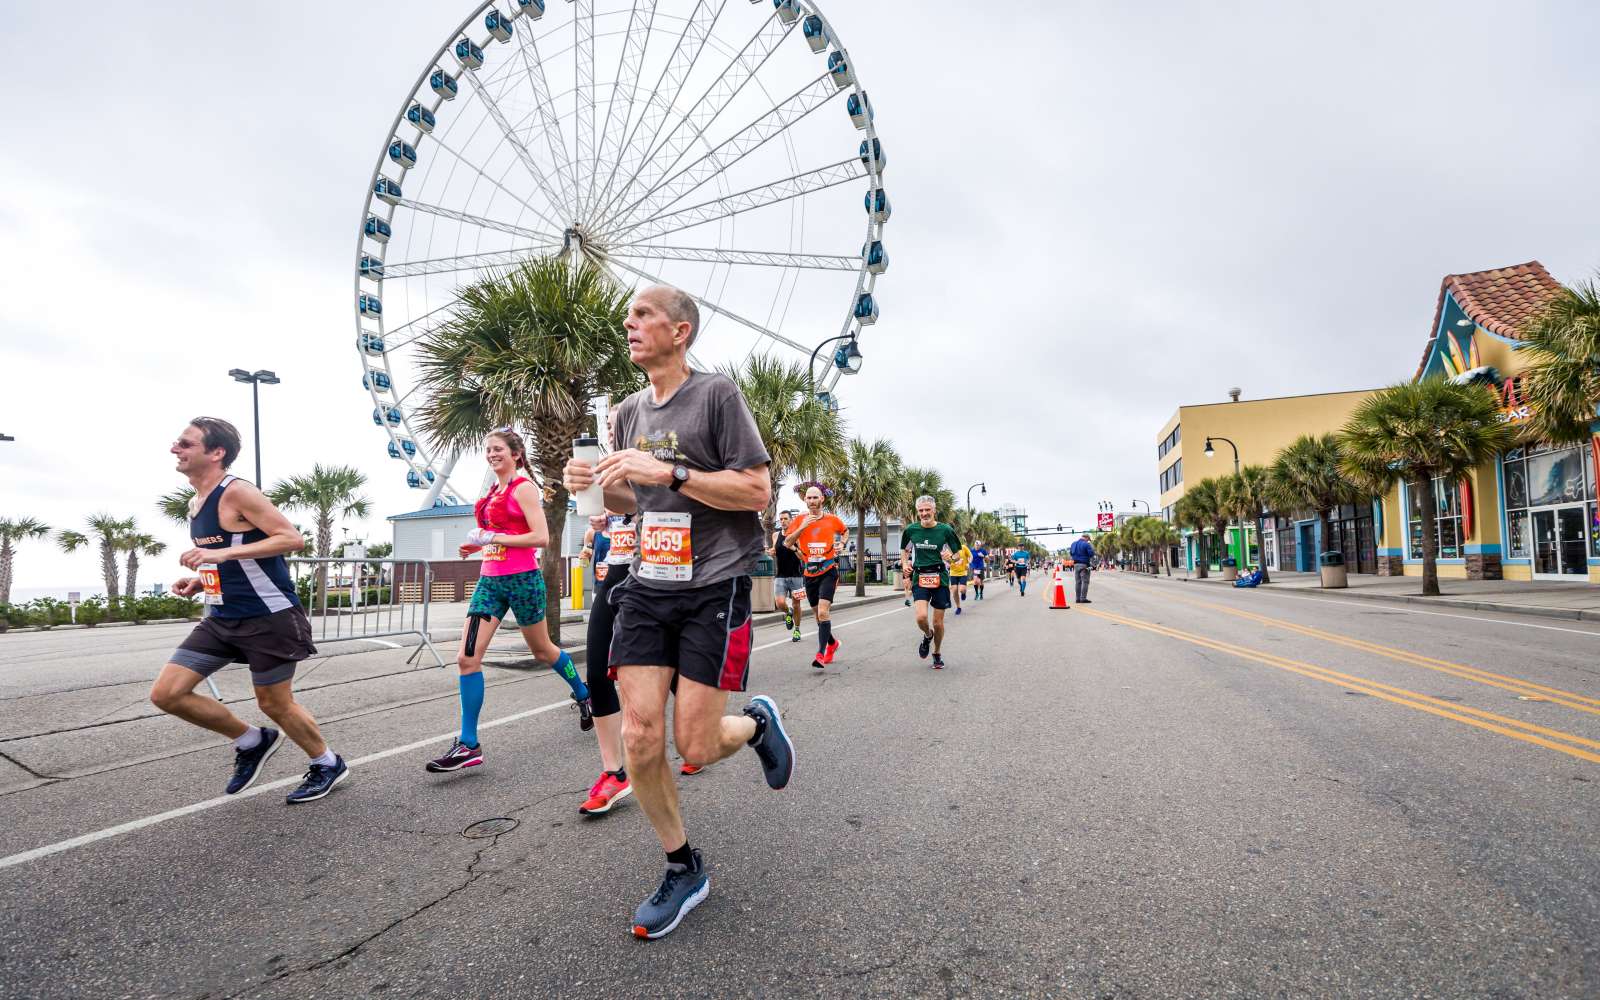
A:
[815,536]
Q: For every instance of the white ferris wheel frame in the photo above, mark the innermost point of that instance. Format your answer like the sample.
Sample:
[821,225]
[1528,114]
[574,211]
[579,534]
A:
[626,261]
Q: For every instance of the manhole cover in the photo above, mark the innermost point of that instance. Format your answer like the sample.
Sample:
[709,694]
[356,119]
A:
[486,828]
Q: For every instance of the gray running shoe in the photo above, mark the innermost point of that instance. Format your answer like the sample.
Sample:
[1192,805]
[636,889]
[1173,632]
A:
[771,743]
[682,889]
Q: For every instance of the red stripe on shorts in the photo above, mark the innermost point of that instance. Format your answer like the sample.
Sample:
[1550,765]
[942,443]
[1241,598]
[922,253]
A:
[736,655]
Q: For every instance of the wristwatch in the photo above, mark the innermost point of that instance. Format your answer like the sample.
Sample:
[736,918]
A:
[680,475]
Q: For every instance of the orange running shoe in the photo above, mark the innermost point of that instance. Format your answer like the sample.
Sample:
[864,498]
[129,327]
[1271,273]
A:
[605,794]
[690,769]
[827,654]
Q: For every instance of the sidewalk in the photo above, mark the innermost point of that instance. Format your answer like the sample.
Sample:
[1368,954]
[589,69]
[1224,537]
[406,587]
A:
[1545,599]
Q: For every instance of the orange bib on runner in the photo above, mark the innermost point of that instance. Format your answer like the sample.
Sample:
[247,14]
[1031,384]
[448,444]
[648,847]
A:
[666,550]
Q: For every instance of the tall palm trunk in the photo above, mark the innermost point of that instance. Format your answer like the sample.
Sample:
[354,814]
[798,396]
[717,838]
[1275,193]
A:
[108,571]
[552,447]
[1261,542]
[1201,560]
[5,571]
[861,553]
[1430,538]
[883,546]
[324,549]
[130,586]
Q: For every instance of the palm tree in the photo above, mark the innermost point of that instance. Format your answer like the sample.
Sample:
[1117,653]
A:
[1200,508]
[328,494]
[136,544]
[920,481]
[801,434]
[106,532]
[1417,432]
[11,532]
[1307,475]
[175,505]
[869,482]
[1246,494]
[1562,380]
[529,348]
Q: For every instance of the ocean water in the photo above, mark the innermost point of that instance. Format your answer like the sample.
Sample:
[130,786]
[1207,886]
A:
[22,595]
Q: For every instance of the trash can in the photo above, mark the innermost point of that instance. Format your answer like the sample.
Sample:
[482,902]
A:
[1335,575]
[1230,570]
[761,584]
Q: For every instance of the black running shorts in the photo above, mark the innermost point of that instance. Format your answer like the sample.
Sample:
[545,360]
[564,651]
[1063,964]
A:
[937,597]
[702,634]
[822,586]
[271,644]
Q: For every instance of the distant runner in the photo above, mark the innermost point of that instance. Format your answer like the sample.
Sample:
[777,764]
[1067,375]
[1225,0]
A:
[928,545]
[815,535]
[252,616]
[980,561]
[789,587]
[1019,569]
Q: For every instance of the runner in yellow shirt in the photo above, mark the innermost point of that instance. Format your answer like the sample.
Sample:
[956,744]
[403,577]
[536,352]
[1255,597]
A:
[959,564]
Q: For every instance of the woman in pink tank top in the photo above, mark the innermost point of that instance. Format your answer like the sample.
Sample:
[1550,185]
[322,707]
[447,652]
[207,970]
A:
[510,531]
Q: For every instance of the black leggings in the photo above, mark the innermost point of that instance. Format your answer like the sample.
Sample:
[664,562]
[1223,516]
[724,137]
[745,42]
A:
[602,689]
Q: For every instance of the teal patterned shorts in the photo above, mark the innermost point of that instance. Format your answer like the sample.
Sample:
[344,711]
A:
[523,593]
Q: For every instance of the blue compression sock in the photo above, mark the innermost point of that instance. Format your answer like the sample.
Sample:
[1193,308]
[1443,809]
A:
[471,705]
[569,673]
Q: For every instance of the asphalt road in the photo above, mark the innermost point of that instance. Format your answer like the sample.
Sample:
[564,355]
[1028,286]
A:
[1180,790]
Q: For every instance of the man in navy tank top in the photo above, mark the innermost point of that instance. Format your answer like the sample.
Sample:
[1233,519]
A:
[252,615]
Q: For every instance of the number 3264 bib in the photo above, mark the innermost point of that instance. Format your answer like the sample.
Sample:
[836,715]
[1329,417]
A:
[666,551]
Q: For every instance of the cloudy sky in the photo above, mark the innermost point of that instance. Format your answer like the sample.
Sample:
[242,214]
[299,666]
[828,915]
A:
[1102,211]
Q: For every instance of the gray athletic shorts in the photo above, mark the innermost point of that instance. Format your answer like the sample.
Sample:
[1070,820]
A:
[785,586]
[273,645]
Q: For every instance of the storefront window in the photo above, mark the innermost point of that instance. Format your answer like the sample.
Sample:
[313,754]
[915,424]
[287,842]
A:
[1545,477]
[1447,519]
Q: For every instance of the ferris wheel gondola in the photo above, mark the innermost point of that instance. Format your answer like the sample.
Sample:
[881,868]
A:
[679,141]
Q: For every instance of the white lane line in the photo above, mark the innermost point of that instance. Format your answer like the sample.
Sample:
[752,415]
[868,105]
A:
[221,800]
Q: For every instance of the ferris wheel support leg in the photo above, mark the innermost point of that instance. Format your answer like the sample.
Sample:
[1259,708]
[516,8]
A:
[444,477]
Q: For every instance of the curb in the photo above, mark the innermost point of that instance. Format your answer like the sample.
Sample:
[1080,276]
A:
[1531,610]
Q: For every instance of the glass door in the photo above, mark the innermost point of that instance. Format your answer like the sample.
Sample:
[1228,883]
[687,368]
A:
[1546,561]
[1572,538]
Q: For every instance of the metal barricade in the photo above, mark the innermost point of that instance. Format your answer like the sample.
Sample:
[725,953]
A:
[350,600]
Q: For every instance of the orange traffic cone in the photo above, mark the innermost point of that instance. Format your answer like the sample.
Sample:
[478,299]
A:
[1058,594]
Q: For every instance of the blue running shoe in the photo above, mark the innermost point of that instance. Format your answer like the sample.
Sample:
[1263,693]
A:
[320,780]
[682,889]
[247,764]
[771,743]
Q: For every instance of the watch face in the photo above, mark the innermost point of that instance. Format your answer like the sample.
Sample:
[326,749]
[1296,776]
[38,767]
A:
[680,473]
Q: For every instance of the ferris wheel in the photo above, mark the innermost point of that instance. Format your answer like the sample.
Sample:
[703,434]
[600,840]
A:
[688,142]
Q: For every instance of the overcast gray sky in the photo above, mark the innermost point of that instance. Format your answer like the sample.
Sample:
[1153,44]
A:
[1102,211]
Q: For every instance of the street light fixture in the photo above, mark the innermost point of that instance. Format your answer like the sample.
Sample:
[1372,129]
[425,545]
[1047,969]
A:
[6,437]
[975,486]
[1211,451]
[256,381]
[1148,512]
[847,358]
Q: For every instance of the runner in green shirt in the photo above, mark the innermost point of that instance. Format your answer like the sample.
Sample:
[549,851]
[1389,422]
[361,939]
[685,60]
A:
[925,559]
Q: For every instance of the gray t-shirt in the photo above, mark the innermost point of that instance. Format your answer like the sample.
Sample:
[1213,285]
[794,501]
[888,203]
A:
[707,427]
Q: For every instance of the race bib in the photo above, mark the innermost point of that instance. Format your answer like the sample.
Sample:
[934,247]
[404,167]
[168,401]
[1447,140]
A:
[928,581]
[600,573]
[666,551]
[624,539]
[817,549]
[494,553]
[211,584]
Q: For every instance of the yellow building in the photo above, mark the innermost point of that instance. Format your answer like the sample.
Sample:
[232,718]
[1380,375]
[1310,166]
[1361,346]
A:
[1259,429]
[1531,514]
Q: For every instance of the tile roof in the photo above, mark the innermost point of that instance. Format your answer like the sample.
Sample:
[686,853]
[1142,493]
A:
[1500,301]
[445,510]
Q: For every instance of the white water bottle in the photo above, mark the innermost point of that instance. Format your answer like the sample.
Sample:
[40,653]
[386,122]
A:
[591,501]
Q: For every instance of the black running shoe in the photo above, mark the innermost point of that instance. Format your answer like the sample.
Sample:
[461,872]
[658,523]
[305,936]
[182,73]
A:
[457,757]
[938,662]
[771,743]
[925,645]
[788,622]
[319,781]
[682,889]
[247,764]
[585,713]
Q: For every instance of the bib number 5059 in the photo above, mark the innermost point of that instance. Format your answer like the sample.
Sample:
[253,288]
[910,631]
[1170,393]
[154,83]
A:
[666,547]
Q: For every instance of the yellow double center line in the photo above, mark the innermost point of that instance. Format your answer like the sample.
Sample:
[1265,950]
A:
[1527,732]
[1515,685]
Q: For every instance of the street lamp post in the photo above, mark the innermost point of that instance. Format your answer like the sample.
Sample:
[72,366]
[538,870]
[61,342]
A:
[1210,452]
[1147,511]
[975,486]
[256,380]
